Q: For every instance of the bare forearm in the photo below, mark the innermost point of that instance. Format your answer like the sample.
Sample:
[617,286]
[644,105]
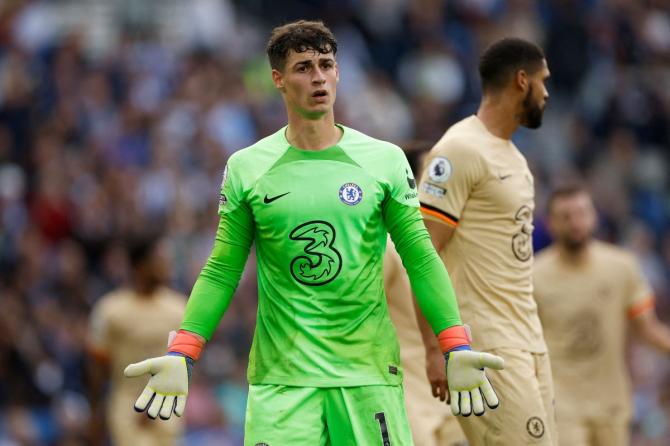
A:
[652,331]
[658,336]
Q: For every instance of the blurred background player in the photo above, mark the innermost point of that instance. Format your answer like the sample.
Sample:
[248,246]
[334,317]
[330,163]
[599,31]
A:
[431,421]
[318,200]
[588,293]
[125,325]
[477,198]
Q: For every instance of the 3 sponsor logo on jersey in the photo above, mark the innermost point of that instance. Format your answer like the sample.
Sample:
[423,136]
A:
[522,241]
[439,169]
[351,194]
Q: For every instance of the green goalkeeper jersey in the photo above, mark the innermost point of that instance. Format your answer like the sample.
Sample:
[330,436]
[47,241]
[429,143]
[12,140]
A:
[319,221]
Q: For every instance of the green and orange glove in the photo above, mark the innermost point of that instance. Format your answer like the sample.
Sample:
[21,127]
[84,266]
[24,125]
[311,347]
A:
[469,387]
[167,389]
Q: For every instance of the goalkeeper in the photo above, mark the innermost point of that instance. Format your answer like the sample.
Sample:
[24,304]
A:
[318,198]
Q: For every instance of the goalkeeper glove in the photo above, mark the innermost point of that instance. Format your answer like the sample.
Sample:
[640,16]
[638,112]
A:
[167,389]
[469,387]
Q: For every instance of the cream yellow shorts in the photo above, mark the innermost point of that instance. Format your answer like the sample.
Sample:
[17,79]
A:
[526,415]
[130,428]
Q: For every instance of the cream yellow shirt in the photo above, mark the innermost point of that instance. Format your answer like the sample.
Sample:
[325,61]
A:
[482,185]
[584,309]
[130,329]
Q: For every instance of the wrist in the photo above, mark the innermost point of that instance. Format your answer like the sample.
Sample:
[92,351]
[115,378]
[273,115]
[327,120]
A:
[454,338]
[186,344]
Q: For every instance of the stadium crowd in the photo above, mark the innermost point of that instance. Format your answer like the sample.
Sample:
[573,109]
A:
[118,120]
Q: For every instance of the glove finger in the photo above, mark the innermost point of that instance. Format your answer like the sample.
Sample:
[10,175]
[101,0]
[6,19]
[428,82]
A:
[138,369]
[489,394]
[180,405]
[168,406]
[155,406]
[477,402]
[491,361]
[144,399]
[466,406]
[453,396]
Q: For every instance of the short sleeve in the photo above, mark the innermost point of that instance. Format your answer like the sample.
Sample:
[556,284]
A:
[402,182]
[231,195]
[640,295]
[450,172]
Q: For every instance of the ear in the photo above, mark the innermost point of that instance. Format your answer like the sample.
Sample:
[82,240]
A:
[278,79]
[337,72]
[521,80]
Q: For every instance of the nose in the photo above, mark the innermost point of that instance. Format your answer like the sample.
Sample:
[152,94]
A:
[318,77]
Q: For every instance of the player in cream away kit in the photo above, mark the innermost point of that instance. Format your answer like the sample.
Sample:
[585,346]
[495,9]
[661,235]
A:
[126,325]
[588,292]
[318,200]
[431,421]
[477,197]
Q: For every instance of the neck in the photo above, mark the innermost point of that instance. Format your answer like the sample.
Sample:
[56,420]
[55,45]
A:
[144,288]
[499,116]
[574,255]
[312,134]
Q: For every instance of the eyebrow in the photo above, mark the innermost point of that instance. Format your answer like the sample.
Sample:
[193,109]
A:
[309,61]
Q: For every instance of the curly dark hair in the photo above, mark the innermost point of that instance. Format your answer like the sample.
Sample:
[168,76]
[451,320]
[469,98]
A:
[300,36]
[504,58]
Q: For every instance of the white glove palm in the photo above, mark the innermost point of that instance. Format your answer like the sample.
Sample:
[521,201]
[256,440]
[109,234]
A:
[167,388]
[468,385]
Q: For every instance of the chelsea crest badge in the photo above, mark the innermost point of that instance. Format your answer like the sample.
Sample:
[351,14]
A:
[351,194]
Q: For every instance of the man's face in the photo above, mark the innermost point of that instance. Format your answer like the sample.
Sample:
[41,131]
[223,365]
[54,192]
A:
[572,220]
[308,82]
[158,268]
[536,98]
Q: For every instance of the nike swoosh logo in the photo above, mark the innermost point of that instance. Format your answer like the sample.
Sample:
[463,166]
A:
[504,177]
[268,200]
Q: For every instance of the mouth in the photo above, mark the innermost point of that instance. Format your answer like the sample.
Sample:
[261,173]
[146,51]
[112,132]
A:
[320,94]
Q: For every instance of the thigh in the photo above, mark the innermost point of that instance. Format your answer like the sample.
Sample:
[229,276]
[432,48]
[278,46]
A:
[285,416]
[430,419]
[521,418]
[129,428]
[615,432]
[367,415]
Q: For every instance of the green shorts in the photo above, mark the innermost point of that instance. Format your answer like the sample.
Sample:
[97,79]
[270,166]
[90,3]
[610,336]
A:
[314,416]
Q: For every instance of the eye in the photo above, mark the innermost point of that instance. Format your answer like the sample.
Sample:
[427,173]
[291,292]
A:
[301,68]
[327,65]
